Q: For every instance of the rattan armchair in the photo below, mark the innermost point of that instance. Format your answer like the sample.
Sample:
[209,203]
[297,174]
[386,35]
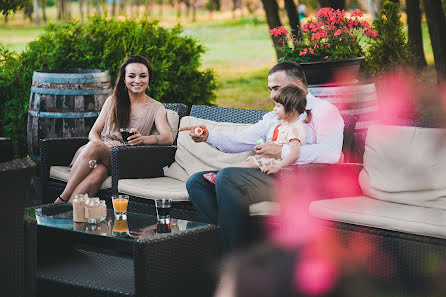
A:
[15,179]
[60,152]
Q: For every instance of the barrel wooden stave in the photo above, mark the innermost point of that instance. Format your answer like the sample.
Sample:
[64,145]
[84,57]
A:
[64,104]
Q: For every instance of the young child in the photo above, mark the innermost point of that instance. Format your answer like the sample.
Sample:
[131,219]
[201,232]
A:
[290,104]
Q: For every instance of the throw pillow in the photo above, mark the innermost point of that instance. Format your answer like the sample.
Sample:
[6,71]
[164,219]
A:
[192,157]
[405,165]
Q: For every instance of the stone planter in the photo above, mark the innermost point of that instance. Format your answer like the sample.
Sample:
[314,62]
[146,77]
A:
[322,72]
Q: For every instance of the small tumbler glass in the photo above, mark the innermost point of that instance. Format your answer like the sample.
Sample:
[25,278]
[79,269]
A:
[163,210]
[120,203]
[125,133]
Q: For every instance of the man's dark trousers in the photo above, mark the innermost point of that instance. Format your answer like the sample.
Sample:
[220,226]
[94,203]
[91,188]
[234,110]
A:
[227,202]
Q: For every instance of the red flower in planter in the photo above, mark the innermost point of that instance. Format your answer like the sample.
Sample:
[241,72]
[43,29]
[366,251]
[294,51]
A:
[331,36]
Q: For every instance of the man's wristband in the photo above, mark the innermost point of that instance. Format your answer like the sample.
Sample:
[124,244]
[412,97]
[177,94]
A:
[156,139]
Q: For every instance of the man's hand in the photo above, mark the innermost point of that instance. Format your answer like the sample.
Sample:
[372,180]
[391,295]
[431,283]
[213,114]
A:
[270,169]
[269,150]
[196,137]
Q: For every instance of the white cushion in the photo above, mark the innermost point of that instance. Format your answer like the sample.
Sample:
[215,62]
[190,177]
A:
[192,157]
[154,188]
[264,208]
[405,165]
[173,119]
[62,172]
[366,211]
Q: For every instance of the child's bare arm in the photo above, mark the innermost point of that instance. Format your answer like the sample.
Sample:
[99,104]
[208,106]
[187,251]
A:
[293,154]
[294,150]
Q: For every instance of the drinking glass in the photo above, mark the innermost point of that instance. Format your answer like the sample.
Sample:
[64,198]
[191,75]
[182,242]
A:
[163,210]
[125,133]
[120,203]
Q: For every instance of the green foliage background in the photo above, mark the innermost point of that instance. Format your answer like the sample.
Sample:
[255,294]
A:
[391,47]
[102,44]
[7,6]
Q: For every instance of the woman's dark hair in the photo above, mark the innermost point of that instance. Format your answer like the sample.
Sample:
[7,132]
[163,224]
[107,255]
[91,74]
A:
[121,101]
[292,97]
[291,69]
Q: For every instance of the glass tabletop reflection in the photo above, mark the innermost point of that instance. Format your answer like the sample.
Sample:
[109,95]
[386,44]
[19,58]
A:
[136,226]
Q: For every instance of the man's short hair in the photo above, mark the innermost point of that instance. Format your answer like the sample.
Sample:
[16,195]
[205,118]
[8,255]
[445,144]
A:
[292,70]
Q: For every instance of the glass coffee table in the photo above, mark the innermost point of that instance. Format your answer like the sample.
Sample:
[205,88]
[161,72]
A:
[135,257]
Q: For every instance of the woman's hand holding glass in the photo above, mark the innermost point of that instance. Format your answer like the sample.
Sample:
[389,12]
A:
[136,138]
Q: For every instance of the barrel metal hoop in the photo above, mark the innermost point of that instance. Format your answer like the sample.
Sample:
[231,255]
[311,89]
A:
[66,115]
[69,92]
[88,77]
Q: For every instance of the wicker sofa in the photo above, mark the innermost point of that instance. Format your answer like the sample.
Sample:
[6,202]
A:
[57,153]
[142,167]
[391,208]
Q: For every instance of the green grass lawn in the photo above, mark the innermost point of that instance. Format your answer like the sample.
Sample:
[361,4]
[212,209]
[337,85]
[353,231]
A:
[240,51]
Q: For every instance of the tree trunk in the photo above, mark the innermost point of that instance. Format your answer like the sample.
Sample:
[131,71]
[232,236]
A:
[36,12]
[59,9]
[98,11]
[293,17]
[415,33]
[113,8]
[333,3]
[272,17]
[43,4]
[437,26]
[148,7]
[138,5]
[194,10]
[371,8]
[6,19]
[161,8]
[122,7]
[234,7]
[81,10]
[178,8]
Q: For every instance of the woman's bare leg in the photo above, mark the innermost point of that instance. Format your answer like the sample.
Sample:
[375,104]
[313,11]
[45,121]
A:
[92,182]
[95,150]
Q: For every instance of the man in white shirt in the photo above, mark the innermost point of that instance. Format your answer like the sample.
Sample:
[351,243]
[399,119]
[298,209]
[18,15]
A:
[226,203]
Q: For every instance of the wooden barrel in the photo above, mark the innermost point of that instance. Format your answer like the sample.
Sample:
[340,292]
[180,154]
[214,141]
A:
[358,99]
[65,103]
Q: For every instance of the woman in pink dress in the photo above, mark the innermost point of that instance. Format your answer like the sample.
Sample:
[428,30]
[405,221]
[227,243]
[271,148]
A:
[127,107]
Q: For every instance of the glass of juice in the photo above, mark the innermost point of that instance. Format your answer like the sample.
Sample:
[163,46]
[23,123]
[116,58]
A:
[163,210]
[120,203]
[126,133]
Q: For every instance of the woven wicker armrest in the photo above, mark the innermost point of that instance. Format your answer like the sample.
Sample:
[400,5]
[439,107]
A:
[58,151]
[143,161]
[333,180]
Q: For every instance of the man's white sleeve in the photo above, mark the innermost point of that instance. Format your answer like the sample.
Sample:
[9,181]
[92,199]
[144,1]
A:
[238,142]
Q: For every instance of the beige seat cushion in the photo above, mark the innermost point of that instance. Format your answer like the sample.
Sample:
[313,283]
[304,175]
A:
[366,211]
[405,165]
[154,188]
[264,208]
[62,172]
[192,157]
